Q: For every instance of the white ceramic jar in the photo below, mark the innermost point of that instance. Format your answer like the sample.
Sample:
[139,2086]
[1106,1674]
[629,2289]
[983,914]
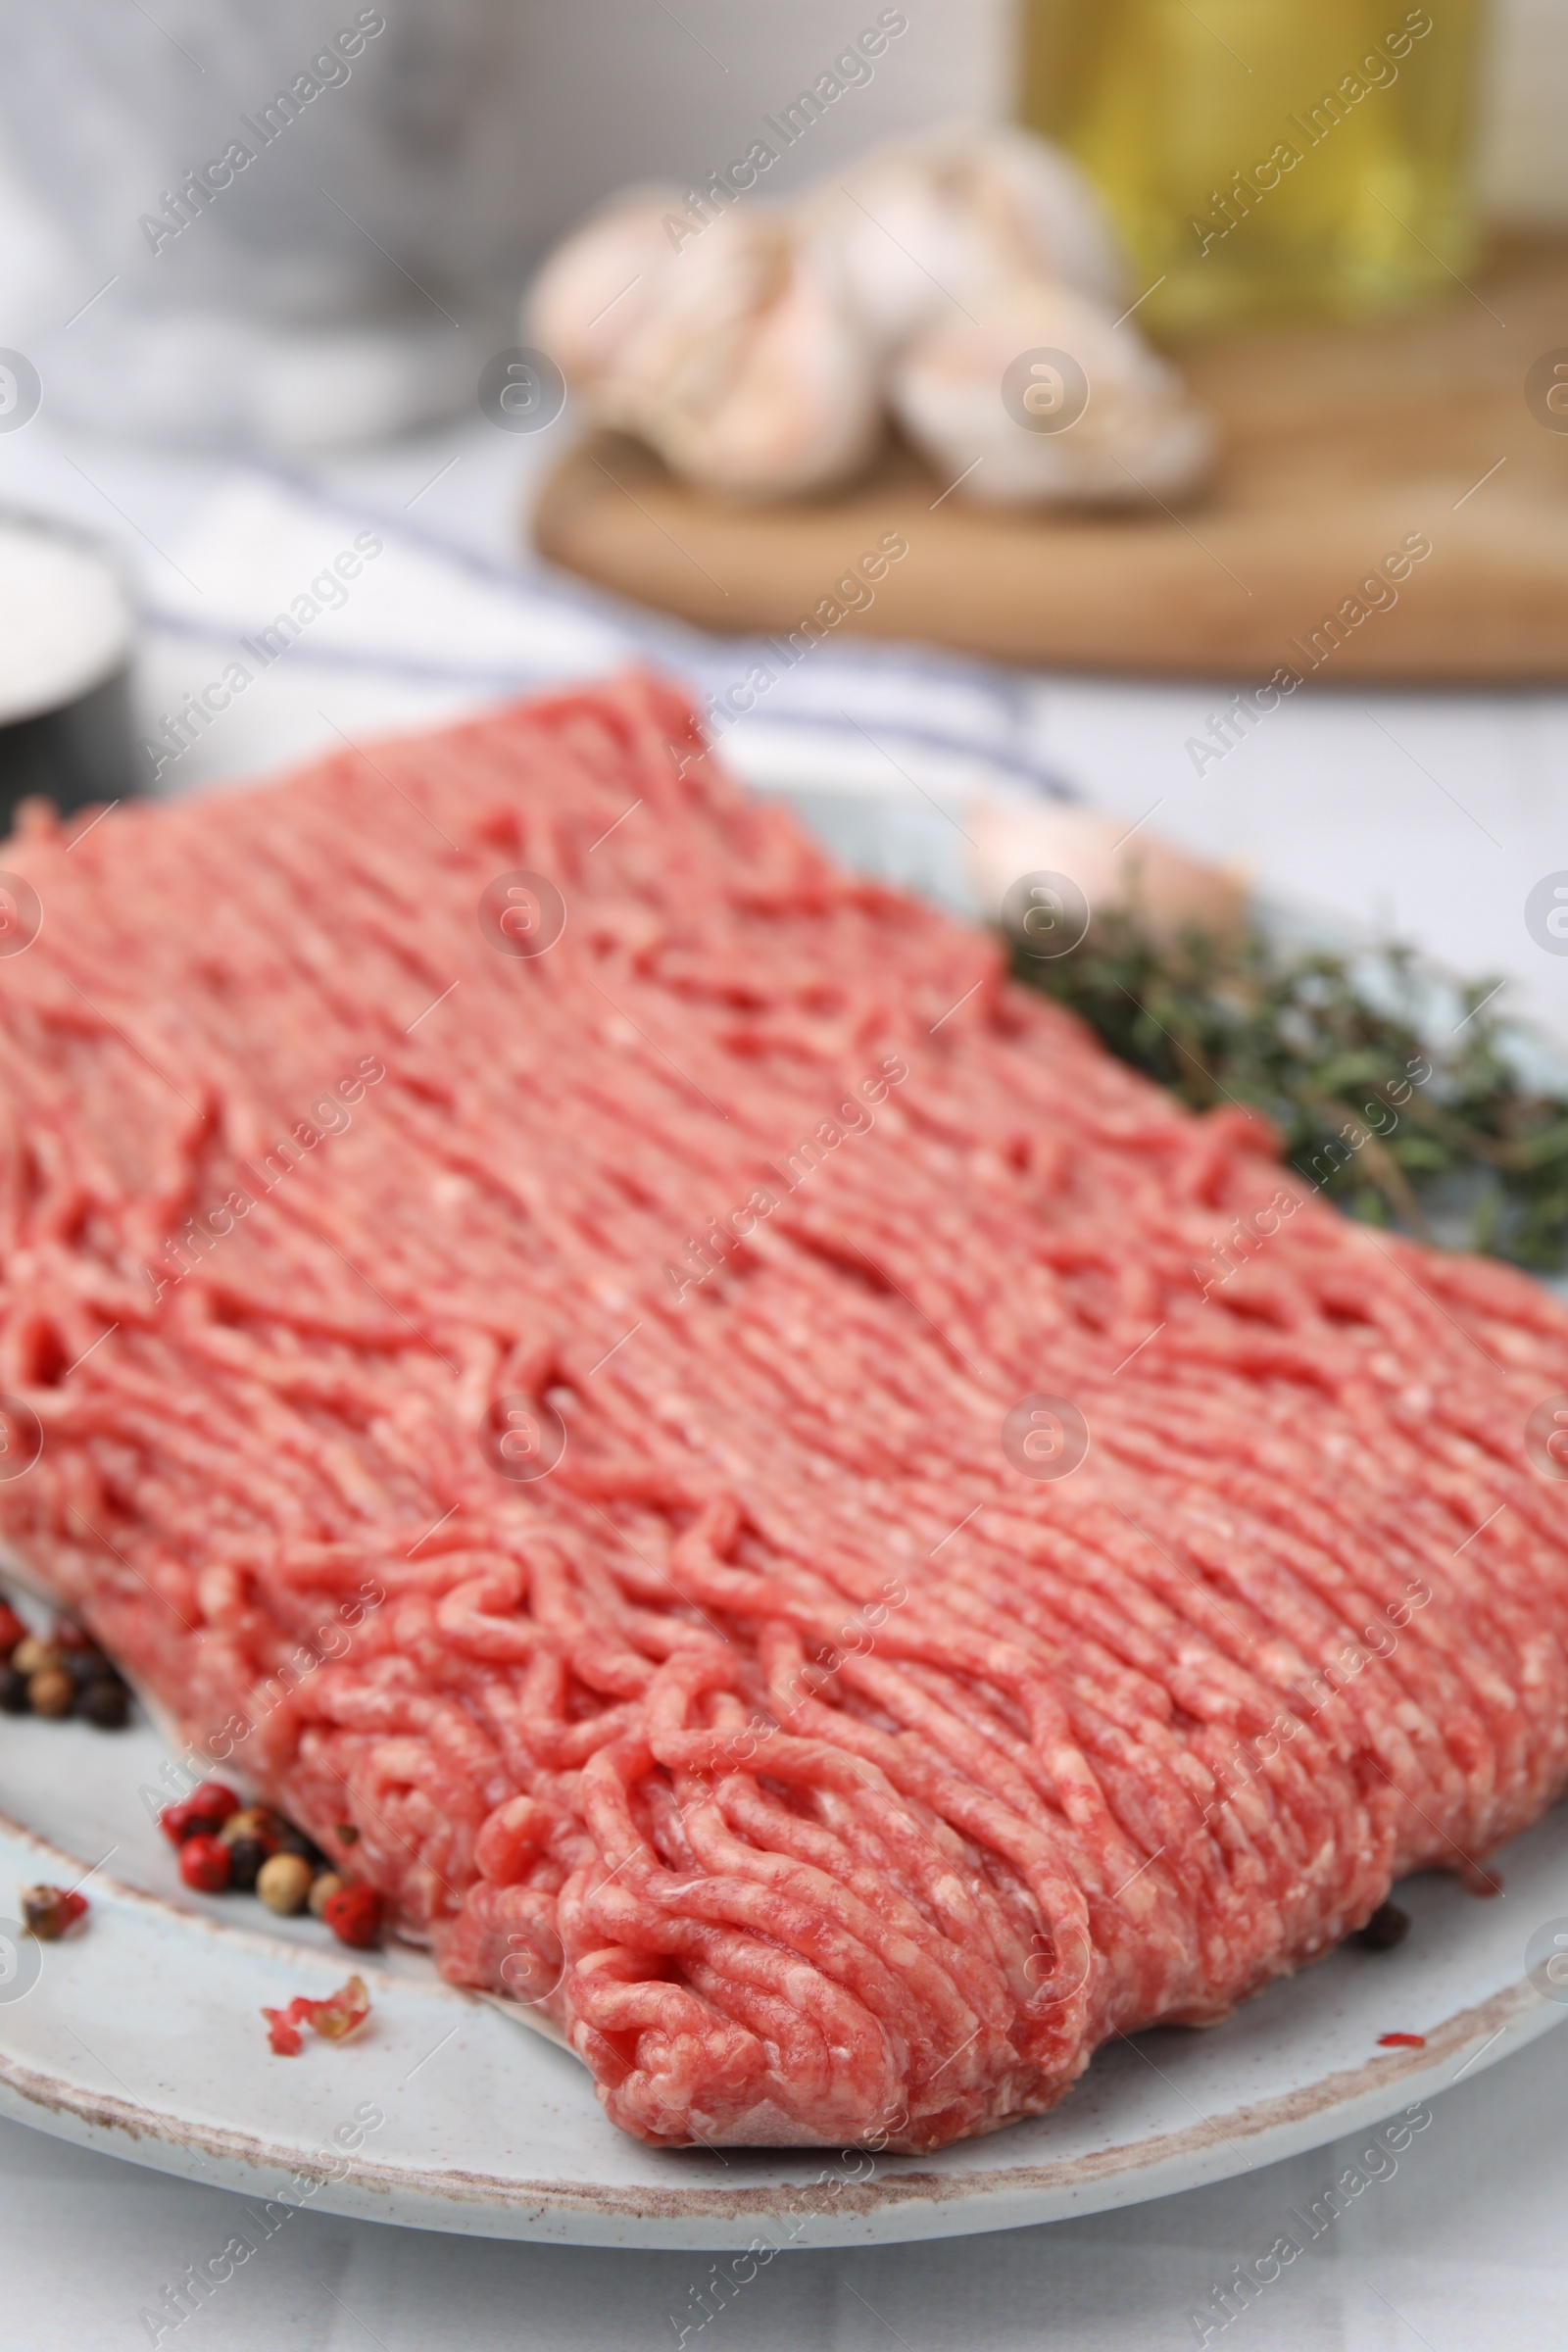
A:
[286,225]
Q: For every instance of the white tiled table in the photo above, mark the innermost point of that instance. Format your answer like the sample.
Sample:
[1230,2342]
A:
[1430,814]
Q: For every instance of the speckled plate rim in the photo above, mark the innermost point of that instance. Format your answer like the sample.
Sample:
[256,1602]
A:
[898,2199]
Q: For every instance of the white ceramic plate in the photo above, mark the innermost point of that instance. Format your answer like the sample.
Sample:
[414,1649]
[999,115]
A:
[141,2035]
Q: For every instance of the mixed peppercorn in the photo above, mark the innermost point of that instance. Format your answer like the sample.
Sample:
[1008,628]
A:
[67,1674]
[226,1848]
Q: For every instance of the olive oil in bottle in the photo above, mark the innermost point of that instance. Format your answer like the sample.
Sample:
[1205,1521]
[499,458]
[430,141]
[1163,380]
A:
[1267,155]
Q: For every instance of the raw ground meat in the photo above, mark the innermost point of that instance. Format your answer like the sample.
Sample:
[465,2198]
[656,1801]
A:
[823,1769]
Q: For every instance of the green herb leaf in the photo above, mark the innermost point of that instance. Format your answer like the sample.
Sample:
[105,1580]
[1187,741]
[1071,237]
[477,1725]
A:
[1445,1137]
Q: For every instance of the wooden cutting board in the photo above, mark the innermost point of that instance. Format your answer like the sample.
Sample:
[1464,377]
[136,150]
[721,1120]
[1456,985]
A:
[1342,442]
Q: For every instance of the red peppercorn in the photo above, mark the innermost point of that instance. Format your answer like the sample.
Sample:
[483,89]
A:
[204,1863]
[48,1911]
[12,1630]
[202,1814]
[354,1915]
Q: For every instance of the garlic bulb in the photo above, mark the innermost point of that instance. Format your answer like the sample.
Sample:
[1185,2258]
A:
[781,403]
[750,375]
[937,224]
[1037,195]
[1036,394]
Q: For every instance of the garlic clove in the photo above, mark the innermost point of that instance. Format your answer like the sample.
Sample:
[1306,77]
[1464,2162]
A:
[1174,894]
[606,280]
[754,379]
[1136,434]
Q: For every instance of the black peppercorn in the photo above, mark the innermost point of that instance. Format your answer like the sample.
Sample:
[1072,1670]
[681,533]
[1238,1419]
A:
[86,1666]
[294,1841]
[1387,1927]
[245,1858]
[14,1699]
[106,1704]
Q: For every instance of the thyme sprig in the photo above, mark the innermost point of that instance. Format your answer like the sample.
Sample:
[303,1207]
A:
[1404,1096]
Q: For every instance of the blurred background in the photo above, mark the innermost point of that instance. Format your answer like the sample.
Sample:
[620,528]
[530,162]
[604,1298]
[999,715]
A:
[479,131]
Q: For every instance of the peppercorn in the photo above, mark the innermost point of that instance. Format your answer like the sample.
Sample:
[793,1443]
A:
[284,1882]
[105,1704]
[12,1630]
[204,1864]
[201,1814]
[253,1821]
[291,1840]
[344,1833]
[325,1885]
[14,1698]
[68,1636]
[246,1856]
[48,1911]
[51,1691]
[354,1915]
[1387,1927]
[88,1665]
[33,1656]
